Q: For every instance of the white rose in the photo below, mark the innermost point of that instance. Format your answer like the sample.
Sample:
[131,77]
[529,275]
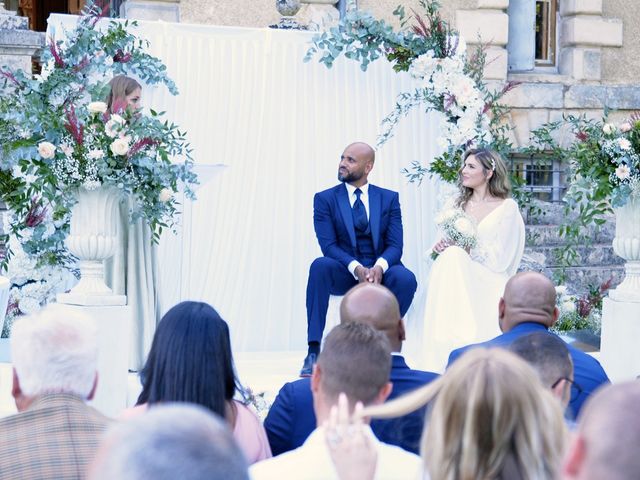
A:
[464,226]
[625,127]
[108,61]
[97,107]
[623,172]
[561,290]
[568,306]
[120,146]
[46,149]
[608,128]
[66,149]
[114,124]
[95,154]
[165,195]
[624,144]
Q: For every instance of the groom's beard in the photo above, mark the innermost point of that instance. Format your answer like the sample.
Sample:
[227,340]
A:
[349,177]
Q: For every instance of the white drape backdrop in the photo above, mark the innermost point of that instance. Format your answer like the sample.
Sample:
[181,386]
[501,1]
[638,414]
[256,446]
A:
[278,125]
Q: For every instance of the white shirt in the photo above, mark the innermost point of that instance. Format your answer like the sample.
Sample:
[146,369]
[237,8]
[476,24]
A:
[312,461]
[364,197]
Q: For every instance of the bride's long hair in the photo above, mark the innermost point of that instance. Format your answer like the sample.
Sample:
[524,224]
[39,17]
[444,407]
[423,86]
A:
[498,185]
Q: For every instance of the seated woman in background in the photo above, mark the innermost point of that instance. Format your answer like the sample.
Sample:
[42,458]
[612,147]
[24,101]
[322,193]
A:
[133,270]
[490,418]
[191,361]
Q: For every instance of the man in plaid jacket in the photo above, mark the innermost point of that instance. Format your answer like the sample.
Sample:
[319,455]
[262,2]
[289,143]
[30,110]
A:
[55,434]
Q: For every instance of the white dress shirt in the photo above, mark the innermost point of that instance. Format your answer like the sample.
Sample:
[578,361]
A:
[312,461]
[364,197]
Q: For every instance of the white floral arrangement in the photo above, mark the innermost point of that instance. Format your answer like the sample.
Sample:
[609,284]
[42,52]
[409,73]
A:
[457,228]
[446,81]
[57,136]
[32,285]
[580,312]
[450,80]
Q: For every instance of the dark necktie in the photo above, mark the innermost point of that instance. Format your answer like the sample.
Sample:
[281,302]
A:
[360,220]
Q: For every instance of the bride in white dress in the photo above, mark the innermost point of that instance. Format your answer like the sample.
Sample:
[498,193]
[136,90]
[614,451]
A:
[465,286]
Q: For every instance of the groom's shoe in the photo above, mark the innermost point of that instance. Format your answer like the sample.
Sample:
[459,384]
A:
[307,366]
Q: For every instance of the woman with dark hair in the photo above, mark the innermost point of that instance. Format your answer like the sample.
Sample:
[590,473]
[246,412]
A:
[465,285]
[191,361]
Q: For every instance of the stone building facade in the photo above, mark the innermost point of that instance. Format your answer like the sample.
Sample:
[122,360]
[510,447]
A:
[597,60]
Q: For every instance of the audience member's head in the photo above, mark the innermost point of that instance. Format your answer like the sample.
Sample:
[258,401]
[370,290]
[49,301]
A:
[605,445]
[377,306]
[53,351]
[528,297]
[490,418]
[550,358]
[190,359]
[125,93]
[356,360]
[172,441]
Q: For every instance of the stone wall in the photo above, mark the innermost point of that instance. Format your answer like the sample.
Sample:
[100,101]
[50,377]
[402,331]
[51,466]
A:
[241,13]
[622,65]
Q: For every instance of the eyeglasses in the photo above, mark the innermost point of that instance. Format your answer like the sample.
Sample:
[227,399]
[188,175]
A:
[575,388]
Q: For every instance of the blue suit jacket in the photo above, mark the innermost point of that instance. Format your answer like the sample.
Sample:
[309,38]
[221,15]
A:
[291,418]
[333,222]
[587,371]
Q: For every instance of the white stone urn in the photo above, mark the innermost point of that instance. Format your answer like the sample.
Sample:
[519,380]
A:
[93,238]
[626,244]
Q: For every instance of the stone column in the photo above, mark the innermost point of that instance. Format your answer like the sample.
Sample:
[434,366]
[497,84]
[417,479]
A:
[583,34]
[18,44]
[165,10]
[489,23]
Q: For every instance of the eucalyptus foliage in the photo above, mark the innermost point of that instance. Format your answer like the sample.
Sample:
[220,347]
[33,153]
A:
[56,136]
[450,81]
[604,172]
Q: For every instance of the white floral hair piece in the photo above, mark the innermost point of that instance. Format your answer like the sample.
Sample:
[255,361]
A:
[493,164]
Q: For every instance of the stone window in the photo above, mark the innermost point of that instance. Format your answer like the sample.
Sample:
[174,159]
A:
[546,18]
[532,34]
[543,177]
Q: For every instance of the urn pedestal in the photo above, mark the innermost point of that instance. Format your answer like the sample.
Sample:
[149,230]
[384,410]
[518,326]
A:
[93,239]
[626,244]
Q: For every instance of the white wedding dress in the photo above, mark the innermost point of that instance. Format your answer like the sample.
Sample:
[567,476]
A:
[464,289]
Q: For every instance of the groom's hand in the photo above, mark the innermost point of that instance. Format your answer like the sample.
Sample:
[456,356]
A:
[362,273]
[374,275]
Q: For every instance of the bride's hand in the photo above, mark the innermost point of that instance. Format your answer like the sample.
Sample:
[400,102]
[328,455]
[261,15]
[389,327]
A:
[441,246]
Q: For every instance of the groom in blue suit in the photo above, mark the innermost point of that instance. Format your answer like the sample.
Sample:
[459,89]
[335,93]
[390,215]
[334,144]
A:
[359,228]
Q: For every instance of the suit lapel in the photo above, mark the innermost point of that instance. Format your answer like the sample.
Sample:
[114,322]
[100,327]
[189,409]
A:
[345,210]
[374,215]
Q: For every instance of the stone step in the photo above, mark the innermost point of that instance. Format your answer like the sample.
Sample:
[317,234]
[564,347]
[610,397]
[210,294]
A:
[581,277]
[591,256]
[547,234]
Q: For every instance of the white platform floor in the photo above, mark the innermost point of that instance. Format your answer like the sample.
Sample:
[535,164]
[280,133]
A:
[261,371]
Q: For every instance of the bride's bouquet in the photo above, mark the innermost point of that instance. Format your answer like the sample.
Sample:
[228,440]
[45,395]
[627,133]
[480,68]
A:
[458,229]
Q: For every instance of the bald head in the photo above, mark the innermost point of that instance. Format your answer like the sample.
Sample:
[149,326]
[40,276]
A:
[363,149]
[376,306]
[528,297]
[606,444]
